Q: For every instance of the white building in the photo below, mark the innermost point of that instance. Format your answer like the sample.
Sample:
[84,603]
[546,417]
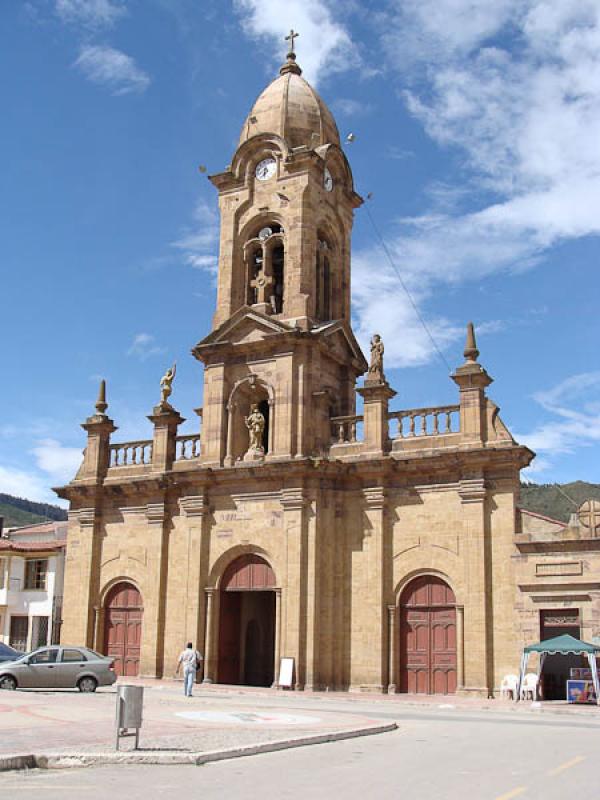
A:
[32,562]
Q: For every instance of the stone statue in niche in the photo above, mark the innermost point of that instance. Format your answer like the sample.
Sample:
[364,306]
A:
[255,422]
[166,383]
[376,365]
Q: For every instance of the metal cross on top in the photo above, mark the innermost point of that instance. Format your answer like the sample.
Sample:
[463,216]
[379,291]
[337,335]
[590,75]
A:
[290,38]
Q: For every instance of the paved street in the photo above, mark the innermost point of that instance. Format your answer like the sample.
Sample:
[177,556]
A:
[443,751]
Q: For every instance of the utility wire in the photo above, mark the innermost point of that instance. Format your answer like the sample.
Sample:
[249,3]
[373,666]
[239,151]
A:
[404,286]
[564,494]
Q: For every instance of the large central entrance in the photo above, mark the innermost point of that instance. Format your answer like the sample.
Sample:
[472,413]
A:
[247,623]
[428,637]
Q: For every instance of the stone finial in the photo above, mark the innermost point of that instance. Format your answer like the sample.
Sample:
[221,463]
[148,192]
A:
[101,404]
[471,352]
[290,65]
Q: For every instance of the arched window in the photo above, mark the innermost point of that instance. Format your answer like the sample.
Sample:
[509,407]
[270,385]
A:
[323,288]
[264,254]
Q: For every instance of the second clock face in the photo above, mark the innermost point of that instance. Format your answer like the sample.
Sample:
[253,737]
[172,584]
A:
[327,180]
[265,169]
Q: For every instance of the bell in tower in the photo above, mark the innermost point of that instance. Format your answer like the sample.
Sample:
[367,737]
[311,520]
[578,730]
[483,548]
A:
[281,337]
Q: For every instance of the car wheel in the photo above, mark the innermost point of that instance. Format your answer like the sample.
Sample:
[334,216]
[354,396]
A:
[8,682]
[87,685]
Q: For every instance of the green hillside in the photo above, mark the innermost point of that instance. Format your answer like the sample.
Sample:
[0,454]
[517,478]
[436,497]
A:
[20,511]
[548,499]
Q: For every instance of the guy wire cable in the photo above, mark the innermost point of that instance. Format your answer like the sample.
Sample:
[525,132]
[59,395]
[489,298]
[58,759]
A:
[408,294]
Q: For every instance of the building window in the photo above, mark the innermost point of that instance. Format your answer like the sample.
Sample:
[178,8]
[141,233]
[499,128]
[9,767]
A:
[36,571]
[323,288]
[19,628]
[2,573]
[39,632]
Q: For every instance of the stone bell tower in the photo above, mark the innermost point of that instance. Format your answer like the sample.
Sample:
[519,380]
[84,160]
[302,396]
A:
[281,337]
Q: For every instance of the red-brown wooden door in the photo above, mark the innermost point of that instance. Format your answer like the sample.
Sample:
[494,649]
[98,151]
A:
[428,637]
[123,628]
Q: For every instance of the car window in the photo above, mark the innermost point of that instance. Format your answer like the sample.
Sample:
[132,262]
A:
[73,655]
[44,656]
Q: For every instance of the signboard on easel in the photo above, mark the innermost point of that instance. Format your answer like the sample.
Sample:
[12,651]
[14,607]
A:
[286,673]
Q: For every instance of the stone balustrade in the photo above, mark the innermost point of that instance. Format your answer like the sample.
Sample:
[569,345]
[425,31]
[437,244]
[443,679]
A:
[187,447]
[346,430]
[416,422]
[129,454]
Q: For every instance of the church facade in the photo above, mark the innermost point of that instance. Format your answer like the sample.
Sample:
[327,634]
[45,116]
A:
[375,549]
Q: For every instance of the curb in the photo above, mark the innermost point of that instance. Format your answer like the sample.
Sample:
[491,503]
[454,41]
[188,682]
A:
[70,760]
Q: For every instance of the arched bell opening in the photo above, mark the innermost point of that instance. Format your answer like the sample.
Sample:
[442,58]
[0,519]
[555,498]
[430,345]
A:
[247,623]
[264,257]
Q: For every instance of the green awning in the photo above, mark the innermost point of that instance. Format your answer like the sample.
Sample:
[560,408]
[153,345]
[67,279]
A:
[562,645]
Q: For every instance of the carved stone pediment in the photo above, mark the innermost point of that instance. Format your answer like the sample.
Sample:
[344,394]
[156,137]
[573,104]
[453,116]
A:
[246,325]
[341,341]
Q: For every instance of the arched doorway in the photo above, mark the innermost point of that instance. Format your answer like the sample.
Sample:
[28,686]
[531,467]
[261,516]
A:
[123,613]
[428,637]
[247,623]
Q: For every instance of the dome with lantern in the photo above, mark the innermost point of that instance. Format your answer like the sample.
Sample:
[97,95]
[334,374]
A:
[292,109]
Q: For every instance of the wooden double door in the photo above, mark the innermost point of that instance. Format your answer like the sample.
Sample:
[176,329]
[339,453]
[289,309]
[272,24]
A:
[123,614]
[428,637]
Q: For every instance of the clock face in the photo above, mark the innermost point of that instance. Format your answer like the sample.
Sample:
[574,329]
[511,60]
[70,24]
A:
[327,180]
[265,169]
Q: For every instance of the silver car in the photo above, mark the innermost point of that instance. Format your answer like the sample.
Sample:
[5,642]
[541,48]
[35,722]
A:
[58,668]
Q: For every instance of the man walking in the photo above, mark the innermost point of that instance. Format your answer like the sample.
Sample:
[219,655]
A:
[191,660]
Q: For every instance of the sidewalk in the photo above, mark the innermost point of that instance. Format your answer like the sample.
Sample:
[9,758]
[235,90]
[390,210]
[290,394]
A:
[217,722]
[392,700]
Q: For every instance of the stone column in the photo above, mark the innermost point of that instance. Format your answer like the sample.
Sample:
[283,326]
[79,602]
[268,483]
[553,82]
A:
[229,451]
[392,650]
[277,657]
[295,519]
[460,647]
[376,396]
[166,421]
[209,659]
[99,427]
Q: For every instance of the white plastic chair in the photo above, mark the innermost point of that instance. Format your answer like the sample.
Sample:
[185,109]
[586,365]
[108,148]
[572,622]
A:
[509,686]
[529,686]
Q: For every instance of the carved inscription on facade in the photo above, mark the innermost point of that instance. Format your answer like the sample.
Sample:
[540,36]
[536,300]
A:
[563,568]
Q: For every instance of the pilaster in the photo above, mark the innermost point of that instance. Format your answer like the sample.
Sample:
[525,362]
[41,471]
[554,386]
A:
[477,624]
[295,524]
[370,629]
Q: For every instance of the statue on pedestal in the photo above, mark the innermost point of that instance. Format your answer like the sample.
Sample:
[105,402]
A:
[376,365]
[165,385]
[255,422]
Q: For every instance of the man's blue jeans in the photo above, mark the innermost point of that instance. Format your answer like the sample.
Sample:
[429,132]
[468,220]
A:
[189,676]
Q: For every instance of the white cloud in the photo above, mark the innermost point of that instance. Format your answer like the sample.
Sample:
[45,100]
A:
[59,462]
[90,13]
[525,114]
[575,419]
[351,108]
[143,347]
[323,44]
[29,485]
[198,242]
[112,68]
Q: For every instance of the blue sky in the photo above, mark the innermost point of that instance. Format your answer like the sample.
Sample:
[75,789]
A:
[477,130]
